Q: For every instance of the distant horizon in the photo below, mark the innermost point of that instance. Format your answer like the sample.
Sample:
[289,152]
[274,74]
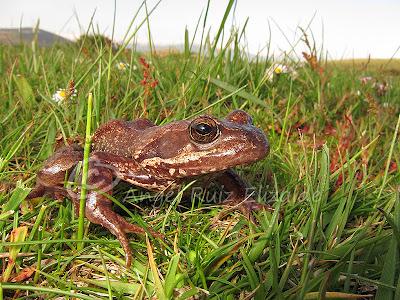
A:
[352,29]
[145,46]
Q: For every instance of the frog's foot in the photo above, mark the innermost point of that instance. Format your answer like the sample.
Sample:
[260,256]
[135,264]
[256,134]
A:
[131,228]
[239,197]
[248,206]
[117,225]
[55,192]
[36,192]
[104,216]
[245,206]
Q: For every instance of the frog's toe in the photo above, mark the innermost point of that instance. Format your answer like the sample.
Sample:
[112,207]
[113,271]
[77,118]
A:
[116,229]
[121,236]
[131,228]
[52,191]
[249,206]
[246,207]
[38,191]
[252,205]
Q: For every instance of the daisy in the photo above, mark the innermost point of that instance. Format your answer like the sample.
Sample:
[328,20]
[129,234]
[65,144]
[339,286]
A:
[279,69]
[122,66]
[276,70]
[63,94]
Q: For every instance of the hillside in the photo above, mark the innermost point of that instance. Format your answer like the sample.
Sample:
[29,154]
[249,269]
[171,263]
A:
[15,36]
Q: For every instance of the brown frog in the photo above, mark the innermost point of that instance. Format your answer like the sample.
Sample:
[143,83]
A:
[157,158]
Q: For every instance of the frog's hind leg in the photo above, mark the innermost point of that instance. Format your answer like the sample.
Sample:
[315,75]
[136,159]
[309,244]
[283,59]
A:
[99,205]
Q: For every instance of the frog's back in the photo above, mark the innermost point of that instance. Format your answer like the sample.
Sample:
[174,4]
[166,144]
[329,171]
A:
[119,137]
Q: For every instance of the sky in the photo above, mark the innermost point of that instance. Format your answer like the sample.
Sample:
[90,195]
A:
[345,29]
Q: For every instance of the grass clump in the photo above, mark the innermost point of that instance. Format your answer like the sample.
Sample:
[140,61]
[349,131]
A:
[332,173]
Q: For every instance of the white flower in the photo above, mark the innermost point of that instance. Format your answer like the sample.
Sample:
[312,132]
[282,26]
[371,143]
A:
[364,80]
[280,69]
[62,95]
[122,66]
[381,88]
[276,70]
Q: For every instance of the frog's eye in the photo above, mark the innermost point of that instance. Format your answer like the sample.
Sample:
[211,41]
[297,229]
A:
[203,130]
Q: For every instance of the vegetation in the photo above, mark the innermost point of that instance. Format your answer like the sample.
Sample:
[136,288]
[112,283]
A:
[93,41]
[332,173]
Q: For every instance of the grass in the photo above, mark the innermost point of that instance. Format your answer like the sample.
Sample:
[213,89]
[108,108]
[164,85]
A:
[332,173]
[387,67]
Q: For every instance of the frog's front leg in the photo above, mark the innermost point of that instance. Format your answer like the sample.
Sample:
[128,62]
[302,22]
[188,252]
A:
[99,205]
[50,179]
[239,194]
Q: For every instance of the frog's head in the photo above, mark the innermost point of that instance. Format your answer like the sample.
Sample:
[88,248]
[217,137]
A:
[204,145]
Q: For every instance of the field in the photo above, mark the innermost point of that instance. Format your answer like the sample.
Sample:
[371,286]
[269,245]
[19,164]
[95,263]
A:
[387,67]
[332,175]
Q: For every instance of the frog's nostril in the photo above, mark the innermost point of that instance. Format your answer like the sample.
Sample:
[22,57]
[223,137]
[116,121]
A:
[260,143]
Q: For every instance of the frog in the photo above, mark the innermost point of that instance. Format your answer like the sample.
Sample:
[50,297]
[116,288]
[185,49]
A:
[156,158]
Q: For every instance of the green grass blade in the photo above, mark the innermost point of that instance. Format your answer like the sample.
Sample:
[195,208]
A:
[170,278]
[158,286]
[231,89]
[391,260]
[82,201]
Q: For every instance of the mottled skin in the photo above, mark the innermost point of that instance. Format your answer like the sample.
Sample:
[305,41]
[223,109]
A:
[157,158]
